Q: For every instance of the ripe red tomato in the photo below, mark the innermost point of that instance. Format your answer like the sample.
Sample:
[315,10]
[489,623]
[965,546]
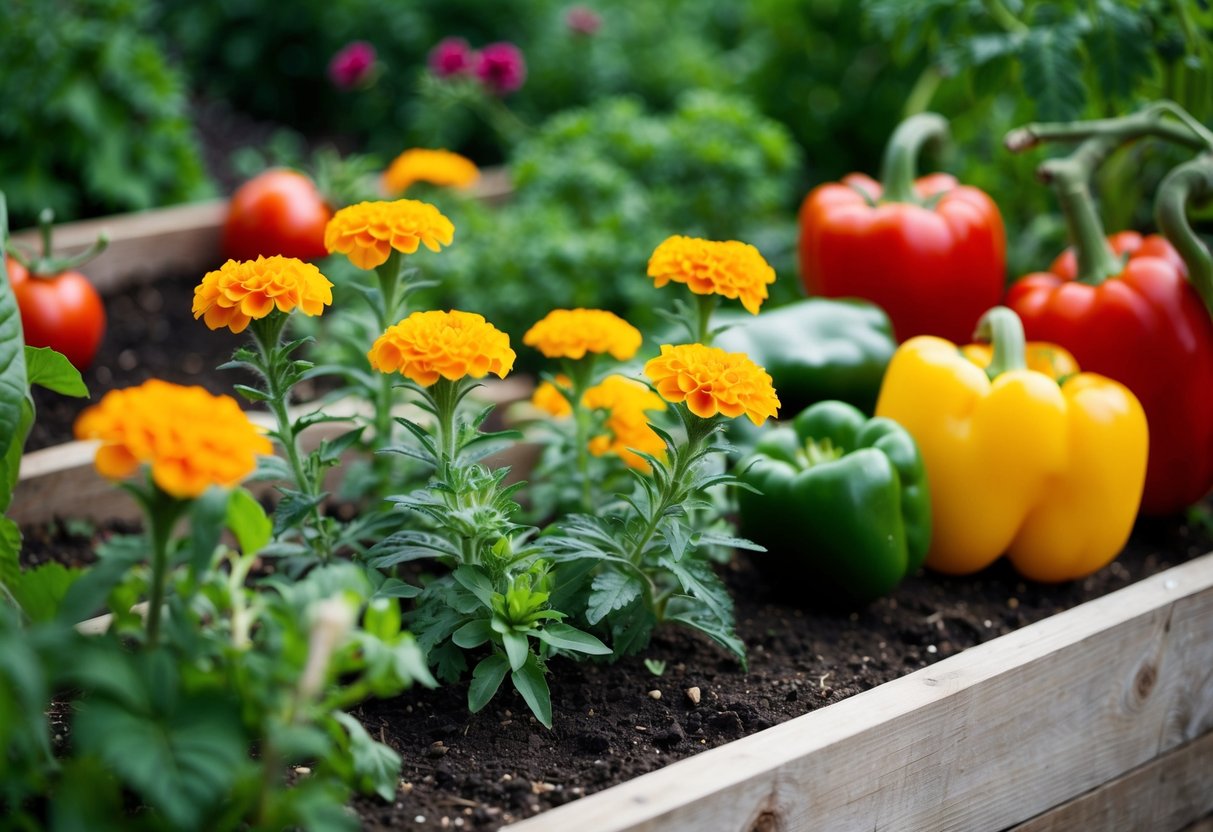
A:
[63,312]
[276,212]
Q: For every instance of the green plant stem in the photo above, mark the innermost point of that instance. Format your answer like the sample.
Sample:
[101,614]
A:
[898,169]
[1003,17]
[162,511]
[705,305]
[924,89]
[1120,130]
[267,332]
[392,291]
[1191,181]
[1070,177]
[697,430]
[581,374]
[445,397]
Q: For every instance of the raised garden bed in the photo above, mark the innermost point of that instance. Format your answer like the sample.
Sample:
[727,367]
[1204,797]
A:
[1096,716]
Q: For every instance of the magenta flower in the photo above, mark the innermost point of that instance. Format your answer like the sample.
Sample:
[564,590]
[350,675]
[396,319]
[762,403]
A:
[582,20]
[353,65]
[500,67]
[452,56]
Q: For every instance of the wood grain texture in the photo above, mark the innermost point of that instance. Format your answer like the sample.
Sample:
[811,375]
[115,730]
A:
[983,740]
[1166,794]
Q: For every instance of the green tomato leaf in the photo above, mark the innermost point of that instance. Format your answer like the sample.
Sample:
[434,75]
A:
[534,689]
[486,679]
[1119,44]
[52,370]
[566,637]
[1052,72]
[248,521]
[376,765]
[612,590]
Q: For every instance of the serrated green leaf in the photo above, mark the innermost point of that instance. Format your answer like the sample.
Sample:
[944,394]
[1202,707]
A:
[566,637]
[1119,45]
[40,591]
[529,681]
[449,662]
[1051,72]
[47,368]
[293,508]
[376,765]
[248,521]
[698,579]
[486,679]
[611,590]
[695,613]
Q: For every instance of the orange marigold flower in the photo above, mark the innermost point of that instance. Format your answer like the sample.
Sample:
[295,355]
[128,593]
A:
[438,167]
[427,345]
[713,381]
[550,400]
[732,269]
[241,291]
[367,232]
[571,333]
[628,429]
[190,438]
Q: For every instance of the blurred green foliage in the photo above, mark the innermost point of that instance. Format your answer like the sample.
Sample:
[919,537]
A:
[94,116]
[598,188]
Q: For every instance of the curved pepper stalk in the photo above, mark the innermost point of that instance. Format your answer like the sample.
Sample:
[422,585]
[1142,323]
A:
[1190,182]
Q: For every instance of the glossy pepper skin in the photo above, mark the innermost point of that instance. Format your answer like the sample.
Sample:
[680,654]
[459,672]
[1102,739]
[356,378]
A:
[1145,326]
[844,511]
[931,253]
[1049,473]
[815,349]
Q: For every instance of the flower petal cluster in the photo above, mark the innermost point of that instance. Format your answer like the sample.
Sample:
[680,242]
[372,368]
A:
[713,381]
[353,65]
[500,67]
[450,57]
[626,402]
[241,291]
[548,398]
[731,269]
[190,438]
[571,333]
[367,232]
[438,167]
[427,346]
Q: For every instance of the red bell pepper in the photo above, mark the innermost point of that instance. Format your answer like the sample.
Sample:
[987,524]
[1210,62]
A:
[1130,309]
[930,252]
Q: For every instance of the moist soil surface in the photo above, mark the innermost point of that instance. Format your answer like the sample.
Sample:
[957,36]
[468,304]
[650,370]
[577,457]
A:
[612,722]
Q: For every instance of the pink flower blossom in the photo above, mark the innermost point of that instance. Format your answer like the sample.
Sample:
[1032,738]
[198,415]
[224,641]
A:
[452,56]
[353,65]
[583,20]
[501,68]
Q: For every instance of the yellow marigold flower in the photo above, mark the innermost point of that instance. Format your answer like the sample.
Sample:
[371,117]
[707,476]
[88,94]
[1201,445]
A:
[238,292]
[438,167]
[626,401]
[190,438]
[426,345]
[550,400]
[571,333]
[732,269]
[713,381]
[367,232]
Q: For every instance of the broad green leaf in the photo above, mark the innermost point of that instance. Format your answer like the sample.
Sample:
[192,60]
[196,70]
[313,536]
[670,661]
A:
[52,370]
[13,383]
[486,679]
[208,515]
[473,634]
[516,647]
[475,581]
[40,591]
[534,689]
[1052,73]
[10,551]
[566,637]
[612,590]
[114,559]
[376,765]
[396,588]
[248,521]
[10,459]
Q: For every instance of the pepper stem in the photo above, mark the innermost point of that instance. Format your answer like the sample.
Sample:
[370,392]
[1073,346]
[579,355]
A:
[1070,177]
[819,451]
[900,165]
[1191,181]
[1003,329]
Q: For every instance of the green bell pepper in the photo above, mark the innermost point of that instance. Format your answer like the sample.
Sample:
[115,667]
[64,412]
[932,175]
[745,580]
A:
[844,510]
[815,349]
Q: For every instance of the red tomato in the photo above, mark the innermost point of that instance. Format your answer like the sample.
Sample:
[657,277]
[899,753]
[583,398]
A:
[276,212]
[63,312]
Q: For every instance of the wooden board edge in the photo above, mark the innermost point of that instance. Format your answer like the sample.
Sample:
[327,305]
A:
[1166,794]
[768,769]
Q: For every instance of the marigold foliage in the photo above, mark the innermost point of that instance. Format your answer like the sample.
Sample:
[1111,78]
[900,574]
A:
[437,167]
[713,381]
[190,438]
[548,398]
[626,402]
[452,345]
[240,291]
[571,333]
[367,232]
[731,269]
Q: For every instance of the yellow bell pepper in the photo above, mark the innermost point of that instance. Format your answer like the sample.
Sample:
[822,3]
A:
[1049,473]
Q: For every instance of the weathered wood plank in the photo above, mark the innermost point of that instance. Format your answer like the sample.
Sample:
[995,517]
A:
[982,740]
[1165,794]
